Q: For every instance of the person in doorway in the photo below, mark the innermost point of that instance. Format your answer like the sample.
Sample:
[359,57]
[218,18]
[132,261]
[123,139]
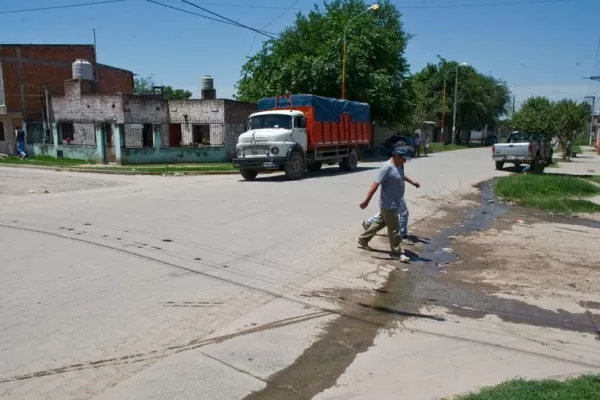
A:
[20,136]
[402,212]
[391,178]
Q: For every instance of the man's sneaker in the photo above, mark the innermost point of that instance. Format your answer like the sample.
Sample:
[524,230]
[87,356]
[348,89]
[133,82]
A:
[408,241]
[362,244]
[401,257]
[365,225]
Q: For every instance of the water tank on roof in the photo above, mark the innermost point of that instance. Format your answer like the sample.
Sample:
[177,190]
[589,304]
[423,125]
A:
[207,83]
[83,70]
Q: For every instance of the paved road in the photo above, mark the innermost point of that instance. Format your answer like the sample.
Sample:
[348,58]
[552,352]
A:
[139,287]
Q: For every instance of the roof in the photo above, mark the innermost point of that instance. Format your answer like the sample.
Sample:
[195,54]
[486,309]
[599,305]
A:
[111,67]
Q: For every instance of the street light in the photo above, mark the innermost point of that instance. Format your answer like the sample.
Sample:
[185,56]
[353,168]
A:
[374,7]
[463,64]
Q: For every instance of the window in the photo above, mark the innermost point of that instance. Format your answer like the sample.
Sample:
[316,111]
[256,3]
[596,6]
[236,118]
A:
[147,136]
[67,131]
[201,134]
[300,122]
[276,121]
[2,136]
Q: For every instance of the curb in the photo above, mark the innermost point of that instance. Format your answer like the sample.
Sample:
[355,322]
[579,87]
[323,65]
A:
[113,172]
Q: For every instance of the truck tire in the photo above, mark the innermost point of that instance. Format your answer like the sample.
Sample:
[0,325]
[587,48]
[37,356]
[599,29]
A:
[538,166]
[248,174]
[314,167]
[294,168]
[350,163]
[499,165]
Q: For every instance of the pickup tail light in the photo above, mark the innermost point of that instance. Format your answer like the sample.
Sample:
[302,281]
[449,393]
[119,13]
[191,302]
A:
[493,149]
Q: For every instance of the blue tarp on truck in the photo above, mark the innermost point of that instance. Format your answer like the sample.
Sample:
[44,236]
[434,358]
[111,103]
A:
[326,109]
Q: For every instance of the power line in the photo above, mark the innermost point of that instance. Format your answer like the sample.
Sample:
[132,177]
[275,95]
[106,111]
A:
[198,15]
[228,19]
[270,22]
[95,3]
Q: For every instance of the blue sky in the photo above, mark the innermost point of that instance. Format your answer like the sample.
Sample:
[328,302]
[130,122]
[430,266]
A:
[538,48]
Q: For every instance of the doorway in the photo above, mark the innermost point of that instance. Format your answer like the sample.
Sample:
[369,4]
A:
[109,144]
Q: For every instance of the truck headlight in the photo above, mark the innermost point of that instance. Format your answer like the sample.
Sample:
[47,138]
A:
[275,150]
[239,152]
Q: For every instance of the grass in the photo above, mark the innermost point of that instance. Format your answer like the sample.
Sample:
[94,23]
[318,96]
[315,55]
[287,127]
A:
[582,388]
[439,147]
[44,161]
[87,166]
[551,192]
[594,178]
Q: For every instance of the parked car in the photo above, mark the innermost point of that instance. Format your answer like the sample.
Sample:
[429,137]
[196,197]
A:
[398,141]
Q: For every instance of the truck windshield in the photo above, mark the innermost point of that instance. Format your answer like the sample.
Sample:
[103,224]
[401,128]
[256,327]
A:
[277,121]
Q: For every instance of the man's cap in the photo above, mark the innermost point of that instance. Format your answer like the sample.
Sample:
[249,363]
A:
[402,152]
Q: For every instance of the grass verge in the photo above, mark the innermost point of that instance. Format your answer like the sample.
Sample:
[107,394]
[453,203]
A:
[87,166]
[582,388]
[595,178]
[440,148]
[44,161]
[551,192]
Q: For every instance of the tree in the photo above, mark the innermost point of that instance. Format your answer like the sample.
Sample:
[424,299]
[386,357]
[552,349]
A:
[307,58]
[144,85]
[481,99]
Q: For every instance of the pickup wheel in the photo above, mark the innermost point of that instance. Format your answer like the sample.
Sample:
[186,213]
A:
[314,167]
[499,165]
[294,168]
[248,174]
[350,163]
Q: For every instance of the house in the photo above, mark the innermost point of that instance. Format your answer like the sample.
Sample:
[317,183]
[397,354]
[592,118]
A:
[26,68]
[141,129]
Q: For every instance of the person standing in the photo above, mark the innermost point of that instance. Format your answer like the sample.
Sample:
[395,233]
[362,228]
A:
[418,145]
[391,178]
[20,136]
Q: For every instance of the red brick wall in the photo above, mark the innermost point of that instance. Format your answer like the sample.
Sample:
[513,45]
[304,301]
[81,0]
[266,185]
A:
[51,64]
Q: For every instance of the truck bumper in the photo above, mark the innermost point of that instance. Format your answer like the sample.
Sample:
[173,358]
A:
[262,163]
[509,159]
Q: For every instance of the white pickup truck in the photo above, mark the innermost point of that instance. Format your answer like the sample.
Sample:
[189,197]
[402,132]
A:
[521,148]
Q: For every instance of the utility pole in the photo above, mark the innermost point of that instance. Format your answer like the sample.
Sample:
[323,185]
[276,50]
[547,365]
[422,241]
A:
[49,127]
[454,108]
[513,106]
[593,103]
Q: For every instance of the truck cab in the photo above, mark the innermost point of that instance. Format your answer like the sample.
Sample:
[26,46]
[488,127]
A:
[269,139]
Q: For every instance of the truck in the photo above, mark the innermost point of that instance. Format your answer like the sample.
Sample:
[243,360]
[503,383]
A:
[522,148]
[301,132]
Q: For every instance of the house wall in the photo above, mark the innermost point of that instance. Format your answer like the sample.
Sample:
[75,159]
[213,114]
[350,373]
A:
[170,155]
[190,112]
[26,68]
[87,153]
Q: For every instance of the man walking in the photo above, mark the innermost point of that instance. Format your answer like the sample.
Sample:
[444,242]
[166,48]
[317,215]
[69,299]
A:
[20,136]
[402,212]
[391,178]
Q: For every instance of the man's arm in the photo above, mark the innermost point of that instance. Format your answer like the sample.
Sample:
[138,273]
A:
[370,194]
[414,183]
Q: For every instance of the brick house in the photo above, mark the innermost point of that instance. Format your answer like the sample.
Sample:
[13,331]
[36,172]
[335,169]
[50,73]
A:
[140,129]
[26,68]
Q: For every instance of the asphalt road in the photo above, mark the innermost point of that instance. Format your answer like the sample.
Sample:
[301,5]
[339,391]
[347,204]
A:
[181,287]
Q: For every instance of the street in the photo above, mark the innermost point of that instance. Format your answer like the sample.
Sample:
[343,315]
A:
[199,287]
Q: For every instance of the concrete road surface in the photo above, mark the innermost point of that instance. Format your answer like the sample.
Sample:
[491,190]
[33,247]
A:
[123,287]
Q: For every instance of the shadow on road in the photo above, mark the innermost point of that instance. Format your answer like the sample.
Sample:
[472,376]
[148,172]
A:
[325,172]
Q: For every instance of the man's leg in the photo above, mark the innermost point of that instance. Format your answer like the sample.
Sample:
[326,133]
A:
[390,219]
[376,226]
[367,223]
[403,218]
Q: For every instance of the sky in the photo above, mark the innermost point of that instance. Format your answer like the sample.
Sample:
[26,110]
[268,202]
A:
[540,47]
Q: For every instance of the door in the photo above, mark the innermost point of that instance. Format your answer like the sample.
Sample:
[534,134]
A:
[109,144]
[175,135]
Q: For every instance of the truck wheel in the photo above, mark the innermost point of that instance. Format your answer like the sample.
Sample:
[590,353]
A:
[294,168]
[314,167]
[499,164]
[350,163]
[248,174]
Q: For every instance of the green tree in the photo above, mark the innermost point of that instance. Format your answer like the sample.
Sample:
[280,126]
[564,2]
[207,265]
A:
[308,59]
[144,85]
[481,99]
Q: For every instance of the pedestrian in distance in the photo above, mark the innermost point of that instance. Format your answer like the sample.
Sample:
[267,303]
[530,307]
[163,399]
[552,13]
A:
[418,142]
[392,180]
[20,137]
